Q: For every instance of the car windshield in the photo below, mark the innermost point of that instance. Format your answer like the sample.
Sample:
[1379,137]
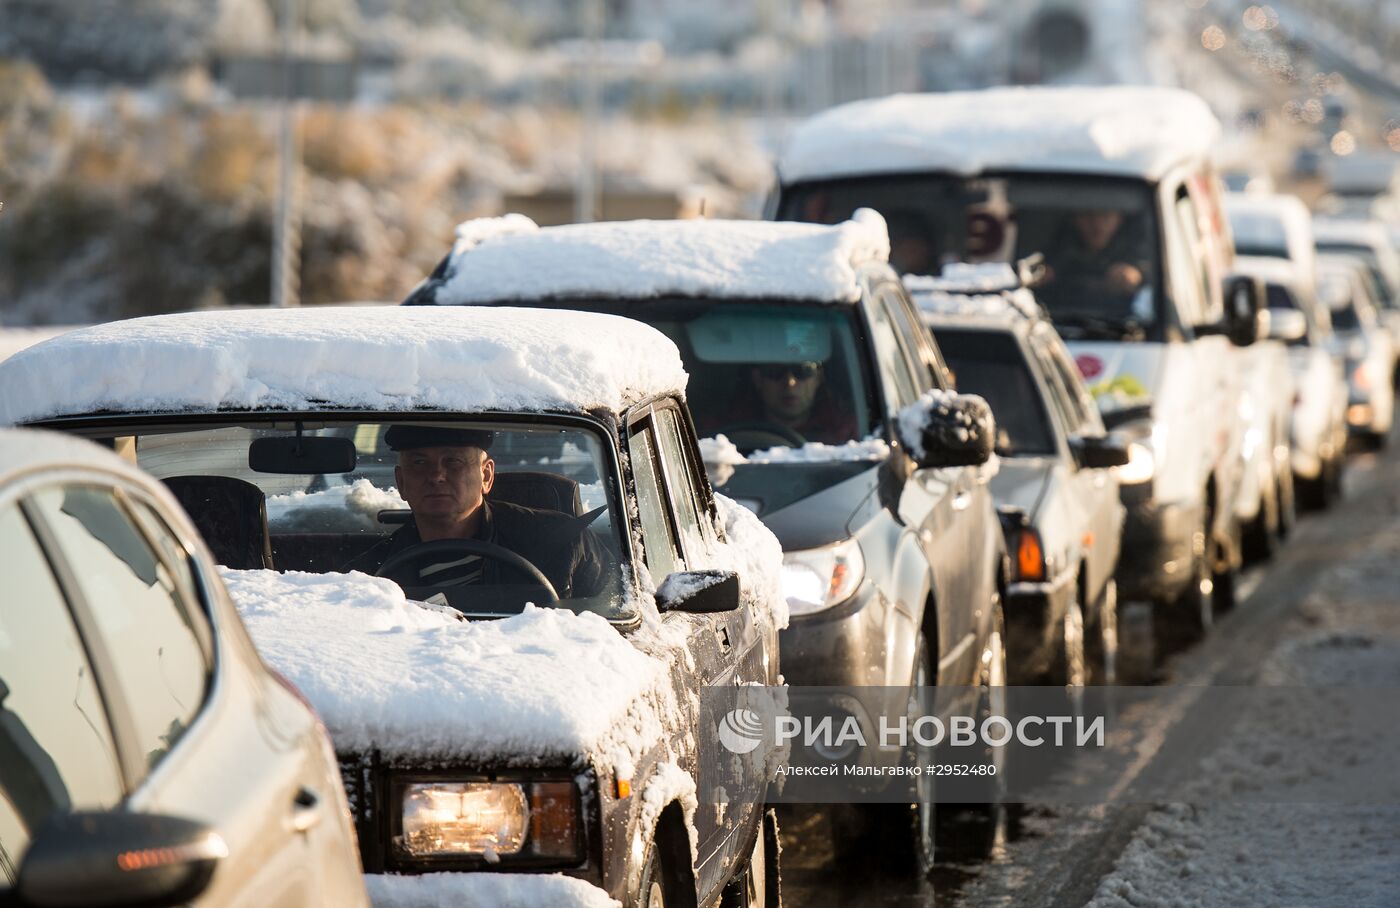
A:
[1257,233]
[991,365]
[1098,236]
[350,494]
[1375,273]
[778,380]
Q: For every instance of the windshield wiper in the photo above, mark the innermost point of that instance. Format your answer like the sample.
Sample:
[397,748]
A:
[1095,327]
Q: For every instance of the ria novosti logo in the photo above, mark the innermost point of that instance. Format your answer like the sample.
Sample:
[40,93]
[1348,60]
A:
[740,731]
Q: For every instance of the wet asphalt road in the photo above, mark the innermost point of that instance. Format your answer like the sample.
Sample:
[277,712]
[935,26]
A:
[1055,856]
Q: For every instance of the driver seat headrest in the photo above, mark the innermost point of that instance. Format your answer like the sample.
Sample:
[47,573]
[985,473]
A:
[231,515]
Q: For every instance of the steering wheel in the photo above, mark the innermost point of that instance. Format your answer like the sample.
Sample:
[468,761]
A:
[423,553]
[762,431]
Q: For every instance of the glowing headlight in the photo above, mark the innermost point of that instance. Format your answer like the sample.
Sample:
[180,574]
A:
[1140,466]
[816,579]
[464,818]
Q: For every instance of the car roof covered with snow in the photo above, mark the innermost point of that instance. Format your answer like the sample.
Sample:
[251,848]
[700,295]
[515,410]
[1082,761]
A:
[372,358]
[989,295]
[1121,131]
[511,260]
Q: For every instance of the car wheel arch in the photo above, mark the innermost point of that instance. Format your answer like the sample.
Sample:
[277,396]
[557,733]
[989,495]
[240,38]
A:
[672,839]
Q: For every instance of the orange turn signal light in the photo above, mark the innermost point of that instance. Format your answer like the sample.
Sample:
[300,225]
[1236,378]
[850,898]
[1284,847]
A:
[1030,557]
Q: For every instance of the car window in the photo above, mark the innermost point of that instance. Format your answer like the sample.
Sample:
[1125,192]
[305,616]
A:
[150,629]
[929,372]
[1195,272]
[1077,400]
[56,751]
[891,360]
[1280,297]
[658,537]
[696,529]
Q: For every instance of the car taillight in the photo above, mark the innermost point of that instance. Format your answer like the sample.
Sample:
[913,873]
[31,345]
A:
[1030,556]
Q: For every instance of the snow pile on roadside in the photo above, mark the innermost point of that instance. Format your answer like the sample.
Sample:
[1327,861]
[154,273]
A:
[388,358]
[361,501]
[417,681]
[650,259]
[485,890]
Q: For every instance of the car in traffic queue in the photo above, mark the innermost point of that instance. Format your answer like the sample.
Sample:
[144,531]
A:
[1317,422]
[1054,476]
[804,352]
[1363,343]
[1115,187]
[504,723]
[1373,244]
[147,754]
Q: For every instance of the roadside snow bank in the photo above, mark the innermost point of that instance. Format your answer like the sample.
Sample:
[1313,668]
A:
[485,890]
[417,681]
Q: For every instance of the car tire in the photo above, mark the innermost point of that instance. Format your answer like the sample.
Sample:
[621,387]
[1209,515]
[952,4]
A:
[1101,643]
[1287,497]
[1182,621]
[1225,569]
[758,886]
[1069,662]
[1137,643]
[658,888]
[1313,494]
[990,809]
[1262,535]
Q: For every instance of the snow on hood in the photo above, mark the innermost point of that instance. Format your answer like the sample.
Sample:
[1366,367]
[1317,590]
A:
[378,358]
[720,451]
[415,681]
[1129,131]
[648,259]
[485,890]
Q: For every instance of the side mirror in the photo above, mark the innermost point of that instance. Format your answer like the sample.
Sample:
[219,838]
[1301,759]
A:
[118,858]
[309,454]
[1246,309]
[699,592]
[943,429]
[1287,325]
[1099,452]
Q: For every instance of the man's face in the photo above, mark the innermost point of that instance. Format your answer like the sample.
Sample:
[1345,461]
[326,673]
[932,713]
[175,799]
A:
[446,483]
[788,390]
[1097,228]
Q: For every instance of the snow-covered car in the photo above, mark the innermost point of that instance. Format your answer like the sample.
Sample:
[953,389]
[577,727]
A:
[1361,341]
[1116,189]
[147,755]
[515,699]
[803,350]
[1317,421]
[1055,472]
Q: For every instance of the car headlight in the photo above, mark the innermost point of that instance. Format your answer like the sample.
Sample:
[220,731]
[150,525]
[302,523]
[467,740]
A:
[490,820]
[817,579]
[1140,466]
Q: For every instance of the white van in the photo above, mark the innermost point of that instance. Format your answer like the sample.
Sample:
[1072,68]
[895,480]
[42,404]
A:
[1115,187]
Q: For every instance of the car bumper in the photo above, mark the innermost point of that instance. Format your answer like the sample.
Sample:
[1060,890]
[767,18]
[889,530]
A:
[845,646]
[1035,614]
[1155,559]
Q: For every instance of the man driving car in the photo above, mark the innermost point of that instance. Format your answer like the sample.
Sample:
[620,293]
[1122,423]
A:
[445,475]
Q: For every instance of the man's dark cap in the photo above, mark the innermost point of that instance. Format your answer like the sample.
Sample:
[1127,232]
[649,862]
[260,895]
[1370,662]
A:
[406,438]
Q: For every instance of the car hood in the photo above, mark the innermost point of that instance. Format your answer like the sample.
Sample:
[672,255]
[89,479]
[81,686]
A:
[1021,482]
[415,682]
[822,516]
[1120,376]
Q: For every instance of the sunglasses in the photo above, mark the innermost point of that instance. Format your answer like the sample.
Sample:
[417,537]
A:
[799,371]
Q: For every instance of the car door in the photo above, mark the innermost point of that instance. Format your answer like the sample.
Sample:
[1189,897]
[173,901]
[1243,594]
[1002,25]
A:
[676,538]
[1094,493]
[939,505]
[198,737]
